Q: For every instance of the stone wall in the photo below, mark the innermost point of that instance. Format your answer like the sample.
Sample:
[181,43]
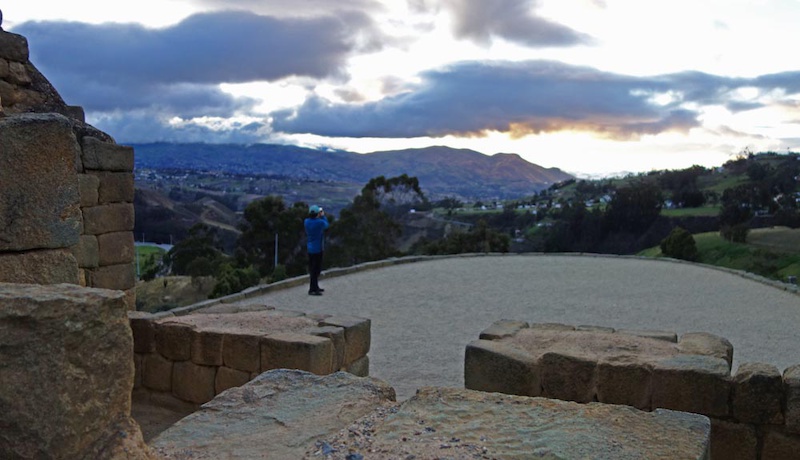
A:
[755,413]
[66,188]
[65,374]
[193,358]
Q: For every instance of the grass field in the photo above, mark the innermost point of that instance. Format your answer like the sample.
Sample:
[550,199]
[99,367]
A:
[148,257]
[685,212]
[770,252]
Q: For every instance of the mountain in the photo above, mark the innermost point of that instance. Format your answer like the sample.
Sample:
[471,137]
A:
[442,171]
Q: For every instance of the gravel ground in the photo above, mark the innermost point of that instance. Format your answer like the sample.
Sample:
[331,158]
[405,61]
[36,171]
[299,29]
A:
[425,313]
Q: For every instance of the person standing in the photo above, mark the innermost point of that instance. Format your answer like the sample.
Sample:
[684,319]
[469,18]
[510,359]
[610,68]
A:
[316,223]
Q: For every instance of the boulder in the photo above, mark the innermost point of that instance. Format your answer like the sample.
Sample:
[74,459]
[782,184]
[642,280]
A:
[458,423]
[276,415]
[67,374]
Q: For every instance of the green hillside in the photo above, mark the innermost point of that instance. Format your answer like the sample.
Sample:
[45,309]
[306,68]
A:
[770,252]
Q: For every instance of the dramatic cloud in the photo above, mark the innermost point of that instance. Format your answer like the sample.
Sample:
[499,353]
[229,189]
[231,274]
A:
[529,97]
[512,20]
[130,64]
[292,7]
[143,127]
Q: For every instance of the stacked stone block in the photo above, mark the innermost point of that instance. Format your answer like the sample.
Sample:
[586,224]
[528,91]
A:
[193,365]
[755,413]
[66,188]
[23,88]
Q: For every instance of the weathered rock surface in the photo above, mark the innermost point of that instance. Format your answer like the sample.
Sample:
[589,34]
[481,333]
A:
[49,266]
[66,374]
[295,414]
[42,213]
[276,415]
[456,423]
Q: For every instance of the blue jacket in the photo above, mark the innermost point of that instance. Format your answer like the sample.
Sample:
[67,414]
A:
[315,232]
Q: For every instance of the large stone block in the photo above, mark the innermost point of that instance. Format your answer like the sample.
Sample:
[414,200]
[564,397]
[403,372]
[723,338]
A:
[277,415]
[360,367]
[494,366]
[568,377]
[144,332]
[357,335]
[703,343]
[297,351]
[778,444]
[336,335]
[666,336]
[67,371]
[174,341]
[462,424]
[501,329]
[18,74]
[228,378]
[207,348]
[692,383]
[791,388]
[733,441]
[192,382]
[13,47]
[106,156]
[87,252]
[625,382]
[156,372]
[758,394]
[116,248]
[89,187]
[242,352]
[40,267]
[115,217]
[119,277]
[115,187]
[40,202]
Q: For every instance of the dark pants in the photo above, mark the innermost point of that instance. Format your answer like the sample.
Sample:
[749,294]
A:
[314,269]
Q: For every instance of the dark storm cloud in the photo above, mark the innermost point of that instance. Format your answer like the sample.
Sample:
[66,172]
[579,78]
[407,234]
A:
[130,64]
[522,98]
[512,20]
[142,127]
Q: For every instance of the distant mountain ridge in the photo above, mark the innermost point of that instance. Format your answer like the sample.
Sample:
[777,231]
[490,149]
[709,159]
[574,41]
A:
[442,171]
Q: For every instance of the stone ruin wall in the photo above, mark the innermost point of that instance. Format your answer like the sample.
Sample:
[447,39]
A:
[66,207]
[754,413]
[177,362]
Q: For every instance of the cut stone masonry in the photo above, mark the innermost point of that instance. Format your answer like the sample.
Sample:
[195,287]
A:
[66,188]
[754,413]
[195,357]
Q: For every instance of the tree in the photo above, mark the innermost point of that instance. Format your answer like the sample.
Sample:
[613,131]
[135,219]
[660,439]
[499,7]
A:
[634,208]
[481,238]
[197,254]
[367,230]
[265,218]
[679,244]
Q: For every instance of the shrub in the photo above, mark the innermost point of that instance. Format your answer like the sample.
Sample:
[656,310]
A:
[279,273]
[232,280]
[679,244]
[735,233]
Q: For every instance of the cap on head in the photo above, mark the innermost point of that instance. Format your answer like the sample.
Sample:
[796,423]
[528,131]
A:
[314,209]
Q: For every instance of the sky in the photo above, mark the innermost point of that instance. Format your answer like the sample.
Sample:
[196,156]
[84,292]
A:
[593,87]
